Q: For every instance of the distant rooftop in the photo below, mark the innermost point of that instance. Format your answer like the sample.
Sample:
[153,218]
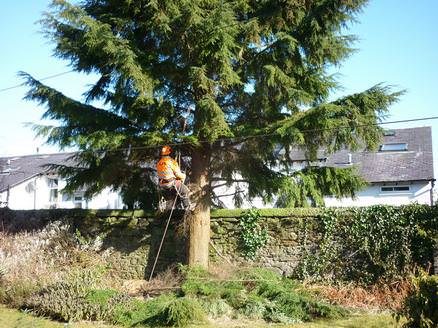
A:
[16,169]
[404,155]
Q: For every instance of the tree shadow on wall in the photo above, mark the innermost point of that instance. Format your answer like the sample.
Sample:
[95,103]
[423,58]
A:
[174,248]
[127,235]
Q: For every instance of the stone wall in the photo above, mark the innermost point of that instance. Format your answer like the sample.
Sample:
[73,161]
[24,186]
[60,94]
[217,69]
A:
[131,238]
[287,230]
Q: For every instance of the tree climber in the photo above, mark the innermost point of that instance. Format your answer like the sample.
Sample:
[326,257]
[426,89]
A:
[170,176]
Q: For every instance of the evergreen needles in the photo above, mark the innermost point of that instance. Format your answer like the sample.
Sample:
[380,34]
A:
[233,83]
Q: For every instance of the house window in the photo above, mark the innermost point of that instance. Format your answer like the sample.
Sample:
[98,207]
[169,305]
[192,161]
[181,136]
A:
[394,147]
[77,200]
[389,133]
[53,192]
[395,189]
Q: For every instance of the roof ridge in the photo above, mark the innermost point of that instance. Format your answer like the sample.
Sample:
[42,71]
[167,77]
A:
[38,155]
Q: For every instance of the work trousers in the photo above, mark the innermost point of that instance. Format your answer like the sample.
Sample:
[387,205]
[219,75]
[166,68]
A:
[182,189]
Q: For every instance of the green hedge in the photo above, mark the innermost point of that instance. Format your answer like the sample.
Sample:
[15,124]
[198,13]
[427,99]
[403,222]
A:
[421,305]
[369,244]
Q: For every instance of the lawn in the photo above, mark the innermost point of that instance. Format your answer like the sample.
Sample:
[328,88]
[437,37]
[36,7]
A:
[10,318]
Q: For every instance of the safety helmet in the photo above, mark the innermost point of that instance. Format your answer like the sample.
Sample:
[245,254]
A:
[166,150]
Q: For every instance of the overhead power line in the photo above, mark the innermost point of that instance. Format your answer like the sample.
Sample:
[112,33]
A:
[244,138]
[42,79]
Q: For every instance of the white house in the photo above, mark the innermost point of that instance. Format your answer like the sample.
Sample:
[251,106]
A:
[26,183]
[400,172]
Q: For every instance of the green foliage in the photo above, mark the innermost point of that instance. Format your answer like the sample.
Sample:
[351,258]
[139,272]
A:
[256,294]
[371,243]
[136,312]
[252,236]
[76,298]
[216,307]
[205,72]
[421,305]
[267,212]
[296,305]
[180,312]
[313,183]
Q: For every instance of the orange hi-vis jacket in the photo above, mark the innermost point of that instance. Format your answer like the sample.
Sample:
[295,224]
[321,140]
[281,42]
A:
[168,170]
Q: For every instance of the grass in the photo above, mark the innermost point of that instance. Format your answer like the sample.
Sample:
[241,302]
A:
[359,321]
[10,318]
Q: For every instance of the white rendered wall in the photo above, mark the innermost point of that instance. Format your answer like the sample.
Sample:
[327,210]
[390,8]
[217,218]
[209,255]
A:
[107,199]
[29,195]
[227,199]
[3,198]
[372,195]
[26,197]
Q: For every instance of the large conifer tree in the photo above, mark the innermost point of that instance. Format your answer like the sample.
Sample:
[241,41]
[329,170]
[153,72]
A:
[243,77]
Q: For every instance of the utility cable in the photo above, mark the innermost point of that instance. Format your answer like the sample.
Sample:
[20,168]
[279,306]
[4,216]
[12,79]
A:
[244,138]
[42,79]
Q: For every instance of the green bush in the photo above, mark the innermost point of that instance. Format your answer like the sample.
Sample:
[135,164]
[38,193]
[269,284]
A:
[370,244]
[421,305]
[136,312]
[257,293]
[180,312]
[216,307]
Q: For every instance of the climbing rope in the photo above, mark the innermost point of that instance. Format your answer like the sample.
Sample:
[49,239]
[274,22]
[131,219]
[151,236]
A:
[162,239]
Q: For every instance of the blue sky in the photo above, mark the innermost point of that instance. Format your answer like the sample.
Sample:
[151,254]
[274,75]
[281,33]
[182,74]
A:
[397,46]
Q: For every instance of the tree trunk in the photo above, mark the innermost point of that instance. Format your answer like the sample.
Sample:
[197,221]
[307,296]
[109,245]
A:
[199,235]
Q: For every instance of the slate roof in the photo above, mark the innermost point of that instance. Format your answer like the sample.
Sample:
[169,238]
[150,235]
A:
[414,164]
[22,168]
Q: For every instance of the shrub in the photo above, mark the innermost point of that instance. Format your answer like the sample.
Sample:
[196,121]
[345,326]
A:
[252,307]
[136,312]
[216,307]
[295,304]
[421,305]
[15,293]
[257,293]
[180,312]
[76,298]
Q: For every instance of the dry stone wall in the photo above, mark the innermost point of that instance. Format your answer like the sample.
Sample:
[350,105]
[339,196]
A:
[292,232]
[131,238]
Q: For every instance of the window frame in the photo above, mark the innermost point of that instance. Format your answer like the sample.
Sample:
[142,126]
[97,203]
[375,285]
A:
[382,147]
[395,189]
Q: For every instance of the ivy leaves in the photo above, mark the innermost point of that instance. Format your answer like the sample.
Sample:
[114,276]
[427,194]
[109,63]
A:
[372,243]
[252,236]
